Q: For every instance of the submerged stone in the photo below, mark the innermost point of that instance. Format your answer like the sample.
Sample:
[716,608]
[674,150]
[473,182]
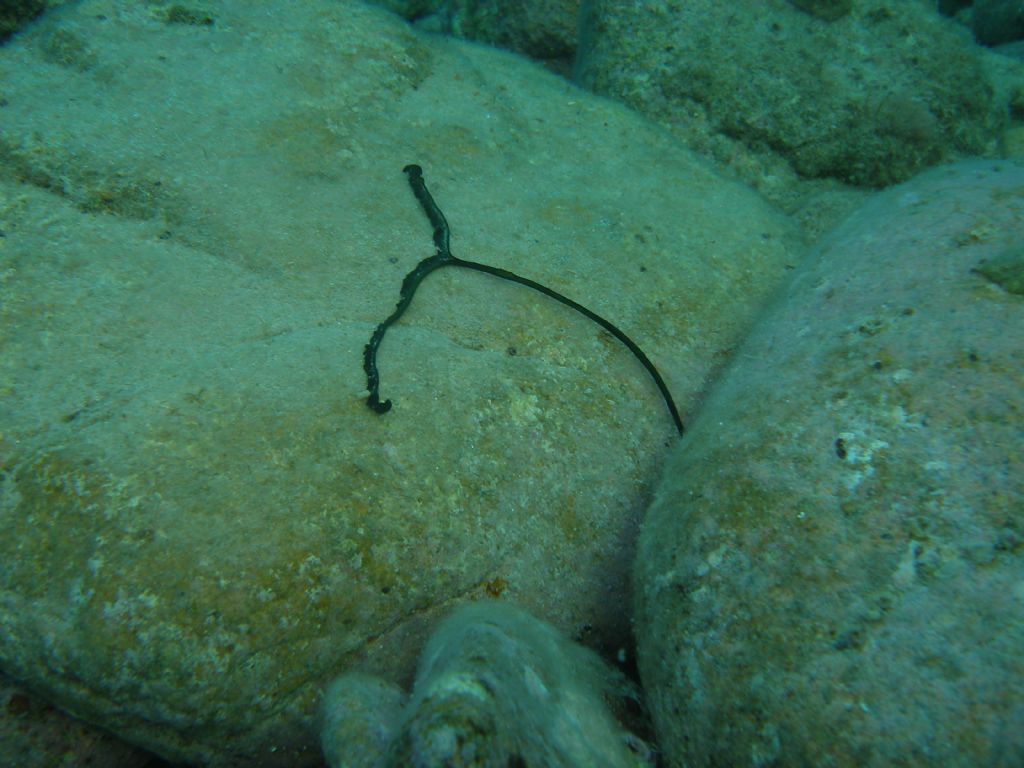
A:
[1005,270]
[200,519]
[740,78]
[360,717]
[495,687]
[832,572]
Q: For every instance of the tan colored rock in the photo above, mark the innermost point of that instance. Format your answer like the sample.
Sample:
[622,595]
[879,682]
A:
[201,522]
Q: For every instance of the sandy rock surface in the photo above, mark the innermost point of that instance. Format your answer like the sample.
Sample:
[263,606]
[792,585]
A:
[204,217]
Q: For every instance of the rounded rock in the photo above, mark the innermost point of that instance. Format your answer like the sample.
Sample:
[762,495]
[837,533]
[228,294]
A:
[832,571]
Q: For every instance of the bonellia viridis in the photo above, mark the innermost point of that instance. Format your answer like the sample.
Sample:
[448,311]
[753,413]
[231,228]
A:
[444,258]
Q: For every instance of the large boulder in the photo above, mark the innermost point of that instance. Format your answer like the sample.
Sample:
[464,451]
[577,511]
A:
[832,572]
[865,93]
[204,218]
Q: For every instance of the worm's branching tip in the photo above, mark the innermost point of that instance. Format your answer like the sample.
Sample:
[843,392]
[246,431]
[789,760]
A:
[443,258]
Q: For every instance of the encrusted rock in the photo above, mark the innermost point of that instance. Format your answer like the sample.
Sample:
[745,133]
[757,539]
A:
[832,572]
[495,687]
[869,96]
[360,717]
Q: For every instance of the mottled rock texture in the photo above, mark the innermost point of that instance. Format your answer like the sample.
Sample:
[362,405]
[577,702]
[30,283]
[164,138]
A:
[204,217]
[832,572]
[16,14]
[544,30]
[495,687]
[360,716]
[862,92]
[997,21]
